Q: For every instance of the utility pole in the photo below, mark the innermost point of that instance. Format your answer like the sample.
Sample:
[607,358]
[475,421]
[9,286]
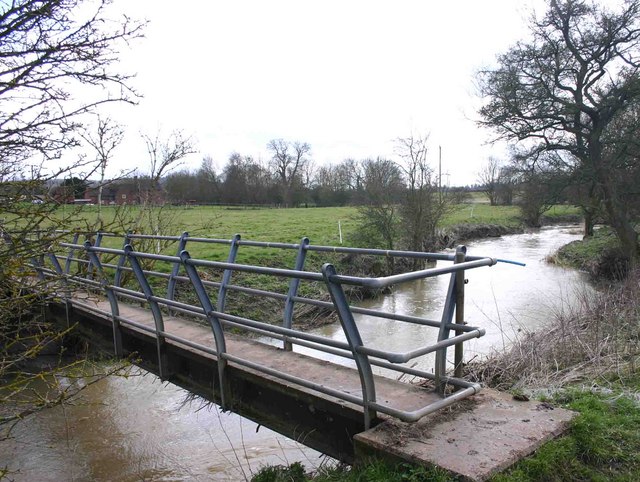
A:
[440,173]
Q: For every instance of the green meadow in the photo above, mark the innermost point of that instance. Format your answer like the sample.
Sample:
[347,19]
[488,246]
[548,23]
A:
[320,225]
[332,226]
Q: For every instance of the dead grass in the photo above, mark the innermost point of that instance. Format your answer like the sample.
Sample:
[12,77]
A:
[595,342]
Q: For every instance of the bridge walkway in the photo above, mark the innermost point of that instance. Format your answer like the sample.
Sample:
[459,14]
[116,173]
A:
[390,392]
[318,420]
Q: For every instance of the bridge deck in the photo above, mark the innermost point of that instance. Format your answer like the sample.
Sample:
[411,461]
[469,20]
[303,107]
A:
[286,407]
[398,394]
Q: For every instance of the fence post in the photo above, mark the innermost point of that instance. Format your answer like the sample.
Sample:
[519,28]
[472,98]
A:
[355,342]
[293,290]
[214,322]
[155,310]
[111,296]
[461,252]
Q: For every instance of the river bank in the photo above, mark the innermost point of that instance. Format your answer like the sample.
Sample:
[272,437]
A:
[599,255]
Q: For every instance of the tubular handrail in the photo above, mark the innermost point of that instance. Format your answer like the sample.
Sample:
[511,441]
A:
[374,283]
[93,273]
[283,297]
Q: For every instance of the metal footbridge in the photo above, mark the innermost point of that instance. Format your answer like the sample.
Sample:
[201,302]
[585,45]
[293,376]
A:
[228,330]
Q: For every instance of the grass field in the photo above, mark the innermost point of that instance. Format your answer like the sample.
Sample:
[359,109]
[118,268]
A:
[323,226]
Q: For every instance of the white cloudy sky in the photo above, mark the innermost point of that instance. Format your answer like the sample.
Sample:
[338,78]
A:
[347,77]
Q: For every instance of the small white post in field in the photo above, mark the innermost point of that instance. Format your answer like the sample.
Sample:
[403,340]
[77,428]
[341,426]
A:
[340,231]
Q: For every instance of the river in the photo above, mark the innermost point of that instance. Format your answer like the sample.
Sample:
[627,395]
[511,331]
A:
[137,428]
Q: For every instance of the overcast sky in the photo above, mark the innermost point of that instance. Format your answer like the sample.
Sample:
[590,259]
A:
[348,77]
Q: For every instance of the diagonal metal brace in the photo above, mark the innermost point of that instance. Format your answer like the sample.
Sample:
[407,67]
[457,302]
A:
[214,321]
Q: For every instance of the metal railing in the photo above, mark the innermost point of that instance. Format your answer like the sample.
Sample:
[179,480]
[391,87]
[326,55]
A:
[94,271]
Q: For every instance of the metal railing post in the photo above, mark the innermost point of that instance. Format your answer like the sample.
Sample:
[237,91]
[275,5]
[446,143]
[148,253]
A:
[67,264]
[117,278]
[111,296]
[38,263]
[96,244]
[226,276]
[57,267]
[214,321]
[155,310]
[443,334]
[461,252]
[175,270]
[293,291]
[56,264]
[355,342]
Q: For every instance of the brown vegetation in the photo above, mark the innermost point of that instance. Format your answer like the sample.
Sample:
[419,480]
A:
[598,340]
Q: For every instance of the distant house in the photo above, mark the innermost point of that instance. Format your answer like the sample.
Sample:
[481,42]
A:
[137,190]
[62,194]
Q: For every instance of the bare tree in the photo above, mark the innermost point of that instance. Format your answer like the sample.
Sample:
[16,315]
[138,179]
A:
[420,189]
[208,182]
[489,179]
[58,62]
[538,191]
[104,141]
[382,188]
[507,181]
[424,203]
[288,161]
[166,155]
[562,91]
[49,50]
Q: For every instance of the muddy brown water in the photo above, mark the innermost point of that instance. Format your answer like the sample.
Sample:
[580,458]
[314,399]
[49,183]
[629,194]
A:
[506,300]
[137,428]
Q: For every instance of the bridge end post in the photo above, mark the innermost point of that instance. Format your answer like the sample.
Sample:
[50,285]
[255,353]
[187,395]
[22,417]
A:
[461,252]
[440,371]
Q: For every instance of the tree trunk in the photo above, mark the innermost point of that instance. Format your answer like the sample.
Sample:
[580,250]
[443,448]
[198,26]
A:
[616,211]
[619,221]
[588,222]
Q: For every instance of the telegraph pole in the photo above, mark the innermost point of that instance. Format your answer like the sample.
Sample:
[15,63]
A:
[440,172]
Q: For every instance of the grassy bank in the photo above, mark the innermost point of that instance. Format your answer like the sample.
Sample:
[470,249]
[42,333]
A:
[603,444]
[599,255]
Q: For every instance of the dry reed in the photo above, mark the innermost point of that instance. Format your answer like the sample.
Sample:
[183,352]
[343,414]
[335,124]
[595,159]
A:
[599,340]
